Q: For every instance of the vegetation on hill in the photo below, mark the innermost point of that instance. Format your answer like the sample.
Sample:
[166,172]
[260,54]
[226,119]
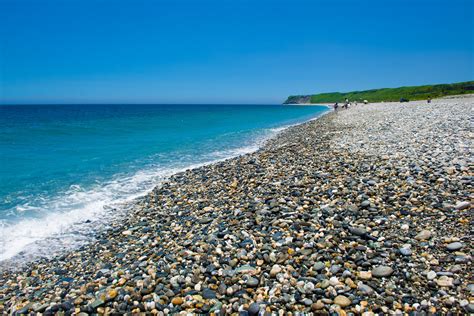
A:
[388,94]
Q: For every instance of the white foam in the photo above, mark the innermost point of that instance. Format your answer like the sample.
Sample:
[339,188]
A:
[62,214]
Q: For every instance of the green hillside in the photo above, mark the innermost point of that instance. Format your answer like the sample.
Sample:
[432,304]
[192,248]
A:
[389,94]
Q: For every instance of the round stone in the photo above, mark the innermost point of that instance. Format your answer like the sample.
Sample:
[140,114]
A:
[317,306]
[111,294]
[469,308]
[423,235]
[405,251]
[318,266]
[254,309]
[177,301]
[365,288]
[342,301]
[365,204]
[307,302]
[358,231]
[365,275]
[470,288]
[309,287]
[252,282]
[382,271]
[431,275]
[275,270]
[462,205]
[334,281]
[444,281]
[454,246]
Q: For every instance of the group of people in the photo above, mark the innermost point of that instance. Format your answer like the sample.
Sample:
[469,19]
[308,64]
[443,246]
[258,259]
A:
[346,104]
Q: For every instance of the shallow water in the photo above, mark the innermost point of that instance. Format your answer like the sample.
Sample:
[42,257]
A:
[61,165]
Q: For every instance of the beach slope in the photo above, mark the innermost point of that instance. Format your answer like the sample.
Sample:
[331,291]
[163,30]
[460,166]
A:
[366,209]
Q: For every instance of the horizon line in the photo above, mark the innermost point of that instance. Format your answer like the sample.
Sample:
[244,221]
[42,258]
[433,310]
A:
[139,103]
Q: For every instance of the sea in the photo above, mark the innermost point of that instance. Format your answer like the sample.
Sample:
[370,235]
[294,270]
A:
[66,171]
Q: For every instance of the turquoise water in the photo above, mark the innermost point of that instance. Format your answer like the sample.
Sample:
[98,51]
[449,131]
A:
[62,165]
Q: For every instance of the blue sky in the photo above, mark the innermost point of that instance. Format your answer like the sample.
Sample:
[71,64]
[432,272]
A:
[226,51]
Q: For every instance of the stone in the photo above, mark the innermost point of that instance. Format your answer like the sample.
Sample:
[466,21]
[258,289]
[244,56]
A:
[462,205]
[41,308]
[205,220]
[97,303]
[423,235]
[334,269]
[325,283]
[431,275]
[470,288]
[111,294]
[454,246]
[365,288]
[252,282]
[317,306]
[309,287]
[208,294]
[382,271]
[365,204]
[253,309]
[358,231]
[342,301]
[469,308]
[365,275]
[247,269]
[216,308]
[318,266]
[334,281]
[177,301]
[444,281]
[275,270]
[405,251]
[222,288]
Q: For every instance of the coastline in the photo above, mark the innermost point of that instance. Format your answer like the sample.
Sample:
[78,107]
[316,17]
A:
[295,226]
[312,104]
[74,227]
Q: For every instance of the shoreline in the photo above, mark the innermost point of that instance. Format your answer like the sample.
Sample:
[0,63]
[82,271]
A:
[316,220]
[25,257]
[329,105]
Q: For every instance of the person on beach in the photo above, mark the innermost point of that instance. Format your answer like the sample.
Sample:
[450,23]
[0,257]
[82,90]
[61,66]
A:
[429,100]
[336,106]
[346,104]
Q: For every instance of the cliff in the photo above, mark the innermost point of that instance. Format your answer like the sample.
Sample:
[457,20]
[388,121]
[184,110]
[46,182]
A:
[298,99]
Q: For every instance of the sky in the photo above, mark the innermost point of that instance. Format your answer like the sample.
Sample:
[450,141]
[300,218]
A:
[226,51]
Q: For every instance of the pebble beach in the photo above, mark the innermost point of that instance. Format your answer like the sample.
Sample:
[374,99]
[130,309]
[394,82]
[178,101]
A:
[362,211]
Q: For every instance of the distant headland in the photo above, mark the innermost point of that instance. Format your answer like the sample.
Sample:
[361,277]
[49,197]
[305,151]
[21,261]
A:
[387,94]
